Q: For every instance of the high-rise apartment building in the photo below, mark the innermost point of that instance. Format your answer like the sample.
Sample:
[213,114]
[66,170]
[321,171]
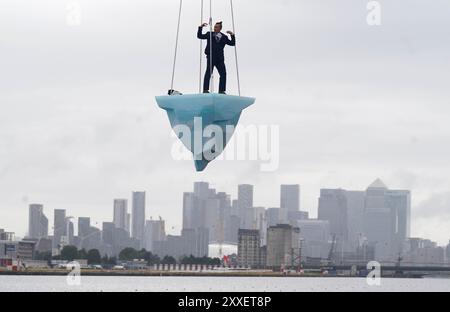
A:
[283,245]
[59,227]
[120,217]
[249,248]
[138,216]
[37,222]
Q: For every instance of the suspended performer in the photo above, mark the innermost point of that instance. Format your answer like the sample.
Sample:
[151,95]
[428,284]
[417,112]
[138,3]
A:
[217,59]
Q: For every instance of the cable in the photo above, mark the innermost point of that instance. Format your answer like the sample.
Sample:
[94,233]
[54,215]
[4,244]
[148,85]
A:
[176,45]
[235,49]
[201,52]
[211,69]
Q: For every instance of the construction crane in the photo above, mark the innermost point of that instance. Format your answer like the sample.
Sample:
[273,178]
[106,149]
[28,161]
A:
[398,271]
[331,252]
[329,262]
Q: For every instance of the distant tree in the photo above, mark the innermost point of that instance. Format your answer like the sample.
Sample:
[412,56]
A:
[108,260]
[202,260]
[214,261]
[128,254]
[168,260]
[44,255]
[69,253]
[188,260]
[143,254]
[153,259]
[94,257]
[148,256]
[82,254]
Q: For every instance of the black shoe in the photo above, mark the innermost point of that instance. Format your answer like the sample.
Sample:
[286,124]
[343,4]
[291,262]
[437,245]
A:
[205,91]
[222,92]
[174,92]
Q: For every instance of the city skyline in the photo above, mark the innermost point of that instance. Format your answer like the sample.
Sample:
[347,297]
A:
[351,228]
[202,187]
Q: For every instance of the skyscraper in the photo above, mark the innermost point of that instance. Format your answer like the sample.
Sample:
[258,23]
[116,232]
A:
[205,209]
[316,237]
[289,200]
[234,207]
[386,219]
[272,216]
[245,200]
[138,216]
[283,245]
[249,248]
[71,233]
[447,252]
[217,214]
[84,225]
[195,206]
[59,226]
[195,242]
[128,228]
[120,213]
[355,218]
[37,222]
[108,233]
[232,229]
[333,208]
[191,213]
[378,217]
[399,201]
[202,190]
[154,232]
[90,237]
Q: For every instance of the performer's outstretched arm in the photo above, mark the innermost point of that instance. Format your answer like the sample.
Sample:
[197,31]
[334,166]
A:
[200,34]
[231,42]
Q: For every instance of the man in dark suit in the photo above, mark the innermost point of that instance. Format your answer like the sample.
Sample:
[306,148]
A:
[217,59]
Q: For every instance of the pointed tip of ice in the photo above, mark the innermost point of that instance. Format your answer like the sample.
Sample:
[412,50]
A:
[200,165]
[216,109]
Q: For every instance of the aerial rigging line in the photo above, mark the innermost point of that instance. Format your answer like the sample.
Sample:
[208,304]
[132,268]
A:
[201,52]
[235,49]
[176,45]
[211,69]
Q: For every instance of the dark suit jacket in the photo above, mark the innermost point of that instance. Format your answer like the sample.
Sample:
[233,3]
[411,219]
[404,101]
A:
[217,47]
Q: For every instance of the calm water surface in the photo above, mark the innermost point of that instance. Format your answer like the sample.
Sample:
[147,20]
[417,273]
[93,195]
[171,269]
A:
[219,284]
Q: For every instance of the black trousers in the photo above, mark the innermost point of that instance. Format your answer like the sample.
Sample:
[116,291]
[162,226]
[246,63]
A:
[220,65]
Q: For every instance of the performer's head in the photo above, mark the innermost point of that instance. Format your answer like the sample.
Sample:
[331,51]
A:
[218,27]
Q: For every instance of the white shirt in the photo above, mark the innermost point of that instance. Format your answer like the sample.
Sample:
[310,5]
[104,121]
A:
[219,35]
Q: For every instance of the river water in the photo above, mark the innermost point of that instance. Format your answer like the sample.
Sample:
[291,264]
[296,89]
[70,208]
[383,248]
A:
[217,284]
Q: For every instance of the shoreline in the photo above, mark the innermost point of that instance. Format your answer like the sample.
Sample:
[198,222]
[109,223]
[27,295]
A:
[143,273]
[148,273]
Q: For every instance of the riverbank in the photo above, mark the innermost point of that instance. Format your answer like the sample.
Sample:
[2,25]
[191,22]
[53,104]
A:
[209,273]
[91,272]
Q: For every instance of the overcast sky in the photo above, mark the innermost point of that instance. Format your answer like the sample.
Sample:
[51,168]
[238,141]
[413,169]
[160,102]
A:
[79,125]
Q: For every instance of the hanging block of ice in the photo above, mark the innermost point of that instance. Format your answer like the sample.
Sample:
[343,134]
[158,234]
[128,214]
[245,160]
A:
[213,115]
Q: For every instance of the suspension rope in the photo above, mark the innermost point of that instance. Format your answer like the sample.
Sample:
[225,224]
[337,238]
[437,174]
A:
[176,45]
[235,49]
[201,52]
[211,69]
